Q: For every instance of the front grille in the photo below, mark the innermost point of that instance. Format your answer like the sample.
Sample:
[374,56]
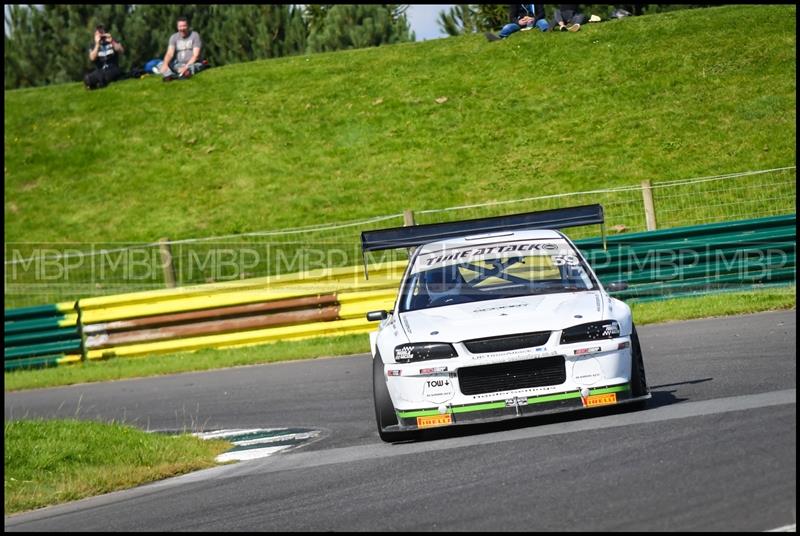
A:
[507,342]
[515,375]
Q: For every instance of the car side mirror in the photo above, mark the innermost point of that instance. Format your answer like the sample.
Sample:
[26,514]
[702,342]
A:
[377,316]
[617,286]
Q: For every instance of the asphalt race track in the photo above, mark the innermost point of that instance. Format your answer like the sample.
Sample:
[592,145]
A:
[715,450]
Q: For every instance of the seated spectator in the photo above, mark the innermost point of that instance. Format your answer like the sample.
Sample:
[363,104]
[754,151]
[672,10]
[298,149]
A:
[105,55]
[182,59]
[522,17]
[568,17]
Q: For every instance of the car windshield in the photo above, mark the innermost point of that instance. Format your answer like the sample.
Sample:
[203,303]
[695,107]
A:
[491,272]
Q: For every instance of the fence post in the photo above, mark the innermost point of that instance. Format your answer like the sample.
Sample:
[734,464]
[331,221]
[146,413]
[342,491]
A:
[408,221]
[649,205]
[166,262]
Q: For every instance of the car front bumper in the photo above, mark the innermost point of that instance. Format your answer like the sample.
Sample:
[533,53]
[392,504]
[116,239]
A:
[431,394]
[514,408]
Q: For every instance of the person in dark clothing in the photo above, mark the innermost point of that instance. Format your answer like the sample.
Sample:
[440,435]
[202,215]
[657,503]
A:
[522,17]
[568,17]
[105,55]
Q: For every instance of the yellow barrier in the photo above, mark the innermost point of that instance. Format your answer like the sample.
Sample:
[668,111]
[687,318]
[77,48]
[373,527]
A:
[349,275]
[355,295]
[135,305]
[68,359]
[222,299]
[358,304]
[68,320]
[238,339]
[65,307]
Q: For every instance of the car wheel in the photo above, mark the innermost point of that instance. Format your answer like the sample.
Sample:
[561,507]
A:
[384,409]
[638,380]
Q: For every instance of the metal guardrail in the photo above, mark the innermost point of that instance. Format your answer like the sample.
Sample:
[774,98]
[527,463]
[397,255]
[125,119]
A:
[41,336]
[238,313]
[698,259]
[657,265]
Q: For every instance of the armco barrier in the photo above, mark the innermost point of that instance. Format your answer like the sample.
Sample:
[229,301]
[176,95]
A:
[41,336]
[237,313]
[656,265]
[697,259]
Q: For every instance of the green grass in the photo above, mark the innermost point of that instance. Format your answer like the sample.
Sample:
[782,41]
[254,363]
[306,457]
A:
[207,359]
[354,134]
[51,462]
[345,135]
[712,305]
[132,367]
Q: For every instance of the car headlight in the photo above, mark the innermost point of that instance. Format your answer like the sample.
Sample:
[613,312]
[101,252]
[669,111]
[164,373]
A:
[407,353]
[606,329]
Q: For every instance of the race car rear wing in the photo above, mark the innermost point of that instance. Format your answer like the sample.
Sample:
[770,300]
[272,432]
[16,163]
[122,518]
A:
[416,235]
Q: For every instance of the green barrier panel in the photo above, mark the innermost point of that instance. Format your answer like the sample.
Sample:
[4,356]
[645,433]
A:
[620,255]
[33,362]
[698,259]
[785,275]
[673,271]
[763,237]
[42,349]
[33,311]
[32,325]
[698,293]
[42,336]
[685,232]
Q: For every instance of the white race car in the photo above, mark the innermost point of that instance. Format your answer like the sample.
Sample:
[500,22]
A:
[498,318]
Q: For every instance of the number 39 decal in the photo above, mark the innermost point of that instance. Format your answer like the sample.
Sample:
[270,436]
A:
[561,260]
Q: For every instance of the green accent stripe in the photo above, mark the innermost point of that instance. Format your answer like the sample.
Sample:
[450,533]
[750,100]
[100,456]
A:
[32,325]
[552,398]
[479,407]
[33,312]
[41,336]
[501,405]
[33,362]
[419,413]
[613,389]
[42,349]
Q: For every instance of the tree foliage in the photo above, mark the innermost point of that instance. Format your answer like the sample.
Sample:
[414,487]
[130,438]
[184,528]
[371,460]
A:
[469,18]
[49,44]
[345,26]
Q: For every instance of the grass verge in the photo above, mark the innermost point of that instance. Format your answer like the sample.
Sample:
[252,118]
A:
[354,134]
[51,462]
[723,304]
[120,368]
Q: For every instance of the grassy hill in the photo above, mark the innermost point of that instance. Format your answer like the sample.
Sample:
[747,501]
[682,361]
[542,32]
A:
[338,136]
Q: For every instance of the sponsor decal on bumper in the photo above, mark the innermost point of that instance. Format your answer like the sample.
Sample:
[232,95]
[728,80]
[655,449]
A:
[599,400]
[434,420]
[500,409]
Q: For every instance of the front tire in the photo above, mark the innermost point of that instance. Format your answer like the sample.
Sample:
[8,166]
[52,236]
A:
[384,409]
[638,379]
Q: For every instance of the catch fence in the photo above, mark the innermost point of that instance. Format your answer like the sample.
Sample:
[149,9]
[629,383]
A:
[47,273]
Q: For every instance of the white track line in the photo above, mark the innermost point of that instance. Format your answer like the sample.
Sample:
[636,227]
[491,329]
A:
[785,528]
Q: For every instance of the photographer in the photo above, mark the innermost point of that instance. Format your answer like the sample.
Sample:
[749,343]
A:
[105,55]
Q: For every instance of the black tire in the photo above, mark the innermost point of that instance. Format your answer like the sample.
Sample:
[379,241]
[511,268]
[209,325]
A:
[384,409]
[638,379]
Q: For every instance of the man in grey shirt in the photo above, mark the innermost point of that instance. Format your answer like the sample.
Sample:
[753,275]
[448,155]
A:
[183,53]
